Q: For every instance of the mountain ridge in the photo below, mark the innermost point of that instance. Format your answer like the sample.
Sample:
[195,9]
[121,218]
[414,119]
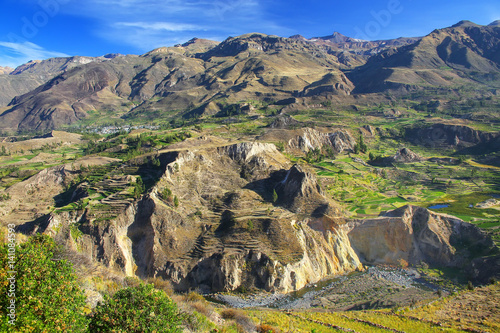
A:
[192,79]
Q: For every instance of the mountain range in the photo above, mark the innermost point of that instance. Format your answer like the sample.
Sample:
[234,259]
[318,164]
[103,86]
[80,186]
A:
[205,78]
[316,176]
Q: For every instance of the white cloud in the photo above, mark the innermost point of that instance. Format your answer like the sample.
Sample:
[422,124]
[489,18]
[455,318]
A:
[147,24]
[15,54]
[166,26]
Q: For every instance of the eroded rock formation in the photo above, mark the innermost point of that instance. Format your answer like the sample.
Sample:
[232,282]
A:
[416,235]
[311,139]
[225,232]
[241,216]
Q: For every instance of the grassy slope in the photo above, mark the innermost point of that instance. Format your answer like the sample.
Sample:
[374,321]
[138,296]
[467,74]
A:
[466,311]
[362,190]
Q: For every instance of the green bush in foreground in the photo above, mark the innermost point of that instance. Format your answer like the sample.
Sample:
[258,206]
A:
[47,296]
[137,309]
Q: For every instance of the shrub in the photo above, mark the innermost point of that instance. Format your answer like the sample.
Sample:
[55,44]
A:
[131,281]
[161,284]
[243,323]
[137,309]
[470,286]
[193,296]
[264,328]
[197,322]
[280,146]
[250,225]
[402,263]
[275,196]
[231,313]
[166,194]
[48,298]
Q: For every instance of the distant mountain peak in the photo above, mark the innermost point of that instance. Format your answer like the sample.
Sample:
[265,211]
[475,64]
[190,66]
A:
[494,24]
[197,41]
[465,23]
[112,55]
[300,37]
[336,37]
[197,45]
[6,70]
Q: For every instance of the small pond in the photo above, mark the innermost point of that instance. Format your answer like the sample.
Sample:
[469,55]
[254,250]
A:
[438,206]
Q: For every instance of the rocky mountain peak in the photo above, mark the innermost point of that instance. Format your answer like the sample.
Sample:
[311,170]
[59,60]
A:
[112,55]
[5,70]
[55,66]
[198,44]
[336,37]
[494,24]
[465,23]
[300,192]
[254,42]
[300,37]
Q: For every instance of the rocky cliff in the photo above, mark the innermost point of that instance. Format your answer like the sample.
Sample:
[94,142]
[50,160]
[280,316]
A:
[310,139]
[439,135]
[222,234]
[416,235]
[241,216]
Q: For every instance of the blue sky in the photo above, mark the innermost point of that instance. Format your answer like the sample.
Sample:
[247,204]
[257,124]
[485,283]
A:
[39,29]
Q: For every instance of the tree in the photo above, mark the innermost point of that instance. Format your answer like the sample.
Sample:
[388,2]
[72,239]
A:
[136,309]
[314,156]
[166,194]
[47,295]
[280,145]
[362,145]
[139,187]
[156,162]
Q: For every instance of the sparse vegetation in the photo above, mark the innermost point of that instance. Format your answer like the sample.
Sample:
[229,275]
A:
[47,294]
[136,309]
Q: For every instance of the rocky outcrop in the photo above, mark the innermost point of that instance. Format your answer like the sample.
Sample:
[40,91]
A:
[415,234]
[221,234]
[259,222]
[368,130]
[244,242]
[299,192]
[439,135]
[5,70]
[323,254]
[311,139]
[284,121]
[244,152]
[488,203]
[405,155]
